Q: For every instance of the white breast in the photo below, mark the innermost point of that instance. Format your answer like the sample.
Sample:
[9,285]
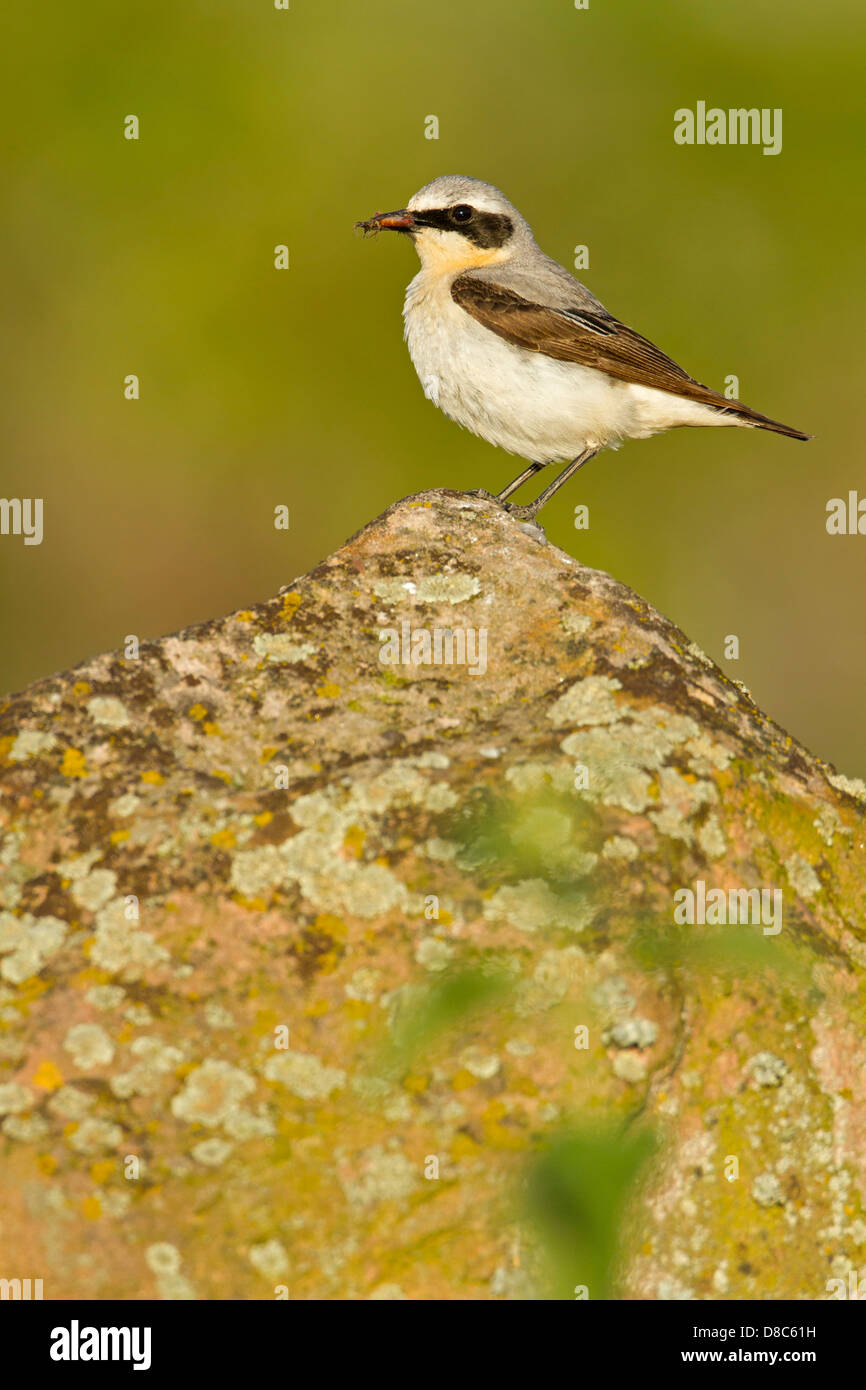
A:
[522,401]
[543,410]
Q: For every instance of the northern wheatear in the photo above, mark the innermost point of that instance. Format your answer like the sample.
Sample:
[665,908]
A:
[510,345]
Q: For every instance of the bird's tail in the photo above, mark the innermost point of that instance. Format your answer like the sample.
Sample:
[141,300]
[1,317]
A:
[763,422]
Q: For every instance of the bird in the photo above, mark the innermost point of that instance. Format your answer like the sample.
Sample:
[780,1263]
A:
[510,345]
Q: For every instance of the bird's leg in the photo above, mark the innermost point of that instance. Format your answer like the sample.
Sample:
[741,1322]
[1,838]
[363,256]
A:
[529,512]
[529,472]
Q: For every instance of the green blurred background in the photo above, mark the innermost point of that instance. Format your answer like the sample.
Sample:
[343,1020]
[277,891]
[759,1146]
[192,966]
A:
[259,387]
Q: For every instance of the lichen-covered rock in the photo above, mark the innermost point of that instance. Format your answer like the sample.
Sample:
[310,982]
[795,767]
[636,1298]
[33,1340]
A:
[232,867]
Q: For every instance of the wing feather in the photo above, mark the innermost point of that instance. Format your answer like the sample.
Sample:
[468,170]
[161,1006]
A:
[591,340]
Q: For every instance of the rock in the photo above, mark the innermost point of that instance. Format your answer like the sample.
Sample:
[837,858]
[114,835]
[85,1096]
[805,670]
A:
[270,835]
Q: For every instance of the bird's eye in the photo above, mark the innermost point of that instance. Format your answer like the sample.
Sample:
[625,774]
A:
[462,213]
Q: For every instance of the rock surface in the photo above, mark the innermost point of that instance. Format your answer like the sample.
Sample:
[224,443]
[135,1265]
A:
[232,862]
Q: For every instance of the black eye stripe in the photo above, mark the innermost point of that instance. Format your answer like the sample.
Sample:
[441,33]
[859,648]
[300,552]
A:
[484,229]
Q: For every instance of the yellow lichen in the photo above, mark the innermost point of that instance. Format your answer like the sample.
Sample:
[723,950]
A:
[354,839]
[47,1076]
[224,839]
[73,764]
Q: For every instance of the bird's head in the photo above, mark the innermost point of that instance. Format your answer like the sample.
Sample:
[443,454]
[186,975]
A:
[457,223]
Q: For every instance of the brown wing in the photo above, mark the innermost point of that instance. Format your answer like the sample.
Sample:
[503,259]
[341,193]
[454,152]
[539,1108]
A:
[592,340]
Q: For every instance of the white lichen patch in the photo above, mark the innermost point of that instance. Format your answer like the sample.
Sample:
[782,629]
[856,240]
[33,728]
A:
[539,777]
[619,847]
[27,943]
[212,1153]
[154,1061]
[447,588]
[363,984]
[105,997]
[711,839]
[631,1032]
[829,823]
[705,756]
[551,980]
[70,1103]
[282,647]
[532,906]
[212,1092]
[394,590]
[440,850]
[767,1069]
[588,701]
[433,588]
[576,624]
[27,1129]
[14,873]
[29,744]
[121,946]
[217,1016]
[698,653]
[384,1176]
[679,801]
[138,1015]
[79,865]
[622,763]
[802,876]
[434,953]
[767,1191]
[14,1098]
[162,1258]
[108,711]
[432,758]
[304,1075]
[854,786]
[314,859]
[95,1136]
[95,889]
[630,1067]
[257,873]
[613,996]
[125,805]
[89,1046]
[269,1258]
[243,1124]
[400,784]
[479,1062]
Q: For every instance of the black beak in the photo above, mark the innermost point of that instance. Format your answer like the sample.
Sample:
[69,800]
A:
[401,221]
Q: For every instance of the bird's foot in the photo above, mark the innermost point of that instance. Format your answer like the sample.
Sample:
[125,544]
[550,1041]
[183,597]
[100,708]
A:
[527,513]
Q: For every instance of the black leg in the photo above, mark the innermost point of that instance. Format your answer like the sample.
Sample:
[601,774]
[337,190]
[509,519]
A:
[527,473]
[529,513]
